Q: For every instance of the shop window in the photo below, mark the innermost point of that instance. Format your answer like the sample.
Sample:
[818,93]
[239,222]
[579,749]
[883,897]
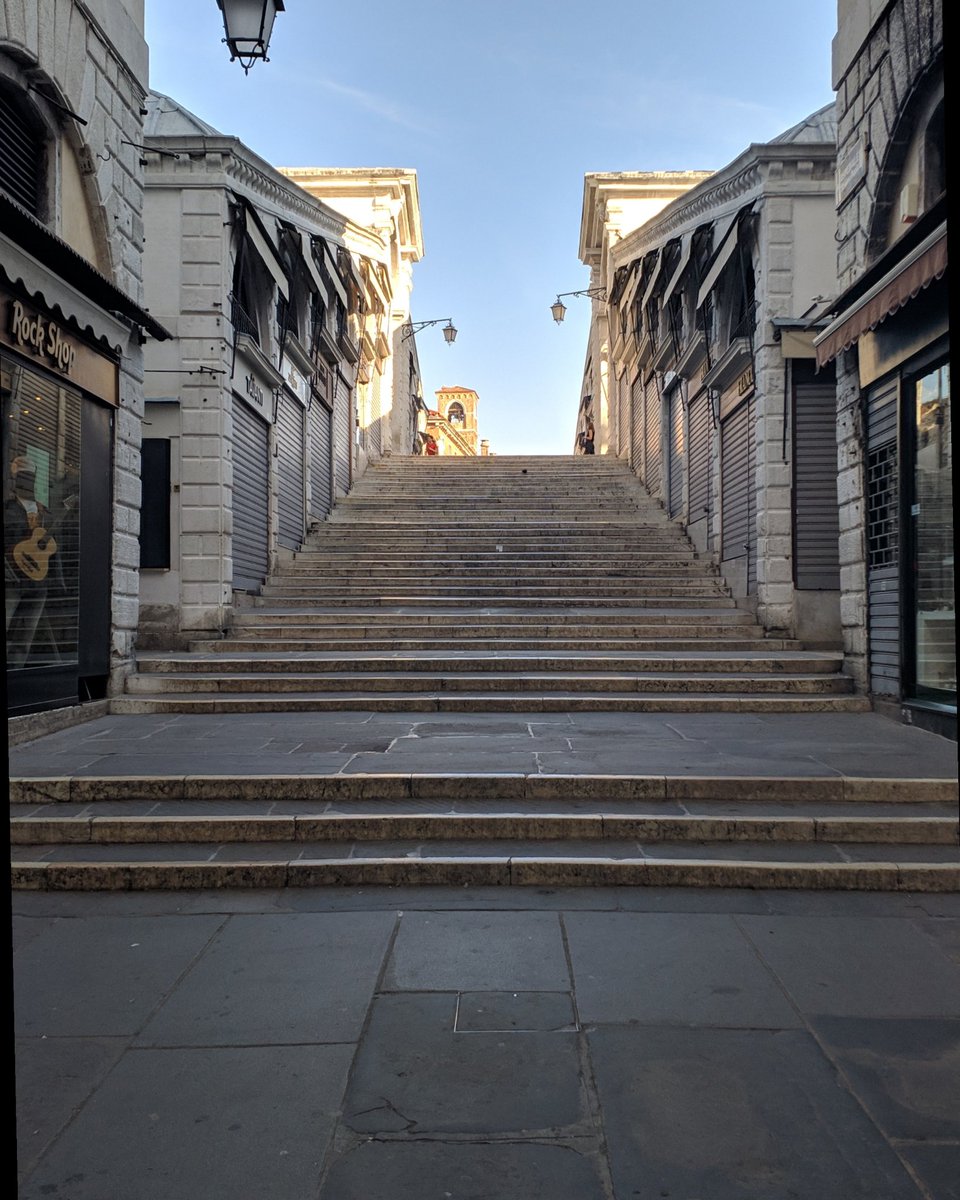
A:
[931,534]
[41,518]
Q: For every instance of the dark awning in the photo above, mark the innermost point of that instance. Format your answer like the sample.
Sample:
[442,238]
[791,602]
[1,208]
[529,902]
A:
[60,258]
[917,270]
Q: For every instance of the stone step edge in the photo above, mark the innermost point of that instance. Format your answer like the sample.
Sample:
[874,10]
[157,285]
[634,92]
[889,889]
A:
[535,789]
[480,872]
[490,701]
[380,827]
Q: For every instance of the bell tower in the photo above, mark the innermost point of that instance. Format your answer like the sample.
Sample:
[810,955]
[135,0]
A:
[458,406]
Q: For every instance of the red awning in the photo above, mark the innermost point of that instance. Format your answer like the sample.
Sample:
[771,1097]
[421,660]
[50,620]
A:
[897,288]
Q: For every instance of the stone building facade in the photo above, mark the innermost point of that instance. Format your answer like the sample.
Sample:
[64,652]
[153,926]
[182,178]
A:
[385,203]
[252,415]
[700,371]
[888,339]
[73,78]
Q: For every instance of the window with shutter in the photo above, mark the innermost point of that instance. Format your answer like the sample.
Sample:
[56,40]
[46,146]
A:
[21,154]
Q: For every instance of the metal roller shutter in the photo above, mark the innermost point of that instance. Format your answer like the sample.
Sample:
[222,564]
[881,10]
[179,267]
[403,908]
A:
[290,473]
[624,426]
[342,434]
[652,436]
[883,539]
[698,458]
[738,502]
[375,443]
[321,459]
[636,426]
[676,453]
[250,497]
[817,518]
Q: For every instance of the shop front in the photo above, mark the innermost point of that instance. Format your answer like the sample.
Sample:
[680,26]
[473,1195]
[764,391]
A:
[58,392]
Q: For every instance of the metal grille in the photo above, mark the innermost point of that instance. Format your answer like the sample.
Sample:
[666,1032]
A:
[883,492]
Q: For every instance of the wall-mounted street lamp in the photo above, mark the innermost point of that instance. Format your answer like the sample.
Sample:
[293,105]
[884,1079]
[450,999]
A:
[411,327]
[559,309]
[248,25]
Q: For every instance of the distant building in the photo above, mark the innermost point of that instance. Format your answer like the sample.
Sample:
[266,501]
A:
[250,406]
[889,339]
[700,369]
[453,423]
[384,202]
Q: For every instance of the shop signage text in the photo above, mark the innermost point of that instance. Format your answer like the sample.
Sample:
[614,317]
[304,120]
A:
[254,390]
[43,336]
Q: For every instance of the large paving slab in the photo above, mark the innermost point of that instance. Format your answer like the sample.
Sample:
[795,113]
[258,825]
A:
[507,1170]
[292,978]
[216,1123]
[465,952]
[674,969]
[729,1114]
[138,963]
[414,1074]
[841,966]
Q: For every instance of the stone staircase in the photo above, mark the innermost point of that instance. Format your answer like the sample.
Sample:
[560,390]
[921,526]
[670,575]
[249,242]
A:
[503,585]
[494,584]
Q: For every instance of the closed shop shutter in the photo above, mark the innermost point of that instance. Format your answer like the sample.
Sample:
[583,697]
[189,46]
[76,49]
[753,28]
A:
[321,459]
[623,417]
[636,426]
[652,436]
[698,458]
[250,497]
[883,539]
[738,503]
[817,522]
[342,434]
[290,473]
[375,443]
[676,453]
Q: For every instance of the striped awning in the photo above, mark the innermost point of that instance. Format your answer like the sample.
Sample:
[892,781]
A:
[925,263]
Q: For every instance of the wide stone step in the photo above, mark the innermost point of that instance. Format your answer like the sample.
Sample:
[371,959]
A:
[573,568]
[311,641]
[293,831]
[364,700]
[568,682]
[141,867]
[499,600]
[505,586]
[434,661]
[647,620]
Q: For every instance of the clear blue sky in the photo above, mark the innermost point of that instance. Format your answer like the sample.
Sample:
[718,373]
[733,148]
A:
[502,106]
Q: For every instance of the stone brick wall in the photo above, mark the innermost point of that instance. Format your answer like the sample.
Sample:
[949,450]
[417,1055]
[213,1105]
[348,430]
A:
[98,66]
[876,71]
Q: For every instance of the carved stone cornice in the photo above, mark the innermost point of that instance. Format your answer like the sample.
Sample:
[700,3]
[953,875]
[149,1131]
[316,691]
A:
[732,187]
[227,162]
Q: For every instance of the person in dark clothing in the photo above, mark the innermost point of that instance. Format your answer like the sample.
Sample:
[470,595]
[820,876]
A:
[588,437]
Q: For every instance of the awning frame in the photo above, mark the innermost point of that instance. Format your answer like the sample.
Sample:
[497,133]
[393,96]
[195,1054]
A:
[60,259]
[723,255]
[260,239]
[926,262]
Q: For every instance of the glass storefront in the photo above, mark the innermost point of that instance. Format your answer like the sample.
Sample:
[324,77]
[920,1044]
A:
[931,524]
[41,518]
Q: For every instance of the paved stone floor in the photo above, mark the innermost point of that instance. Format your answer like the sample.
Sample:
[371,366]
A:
[499,1044]
[815,744]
